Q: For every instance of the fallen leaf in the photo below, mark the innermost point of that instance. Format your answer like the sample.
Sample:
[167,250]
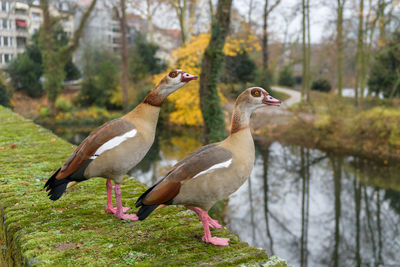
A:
[13,146]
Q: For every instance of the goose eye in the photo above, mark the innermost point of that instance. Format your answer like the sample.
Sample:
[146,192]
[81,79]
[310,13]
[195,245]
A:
[173,74]
[255,93]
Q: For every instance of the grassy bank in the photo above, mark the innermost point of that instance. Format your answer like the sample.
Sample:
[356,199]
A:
[74,231]
[330,123]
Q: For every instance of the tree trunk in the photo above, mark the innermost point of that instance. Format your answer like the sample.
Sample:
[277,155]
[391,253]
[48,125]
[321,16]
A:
[214,123]
[308,81]
[181,9]
[359,53]
[124,57]
[149,18]
[339,43]
[267,10]
[192,17]
[265,38]
[304,48]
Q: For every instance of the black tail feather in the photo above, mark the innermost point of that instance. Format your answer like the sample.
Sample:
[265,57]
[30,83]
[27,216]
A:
[56,187]
[145,211]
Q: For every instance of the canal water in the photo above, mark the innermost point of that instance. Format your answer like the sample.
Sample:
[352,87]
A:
[309,207]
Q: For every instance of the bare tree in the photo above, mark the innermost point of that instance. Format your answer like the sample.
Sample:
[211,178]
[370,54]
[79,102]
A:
[55,58]
[305,83]
[148,9]
[267,11]
[339,43]
[359,79]
[121,15]
[180,7]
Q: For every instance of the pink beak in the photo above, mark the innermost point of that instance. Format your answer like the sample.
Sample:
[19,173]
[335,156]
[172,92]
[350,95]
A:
[186,77]
[269,100]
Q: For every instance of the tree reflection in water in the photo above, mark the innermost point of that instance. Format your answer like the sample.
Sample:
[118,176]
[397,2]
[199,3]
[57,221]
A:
[309,207]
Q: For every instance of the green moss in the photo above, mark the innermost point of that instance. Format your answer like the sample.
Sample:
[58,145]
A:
[75,231]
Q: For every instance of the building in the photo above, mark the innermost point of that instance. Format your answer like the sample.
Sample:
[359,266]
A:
[19,21]
[14,18]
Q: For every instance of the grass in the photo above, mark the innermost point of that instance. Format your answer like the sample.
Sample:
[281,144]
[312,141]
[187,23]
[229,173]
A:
[75,231]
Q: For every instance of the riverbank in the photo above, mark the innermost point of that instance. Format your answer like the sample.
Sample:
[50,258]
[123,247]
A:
[75,231]
[335,124]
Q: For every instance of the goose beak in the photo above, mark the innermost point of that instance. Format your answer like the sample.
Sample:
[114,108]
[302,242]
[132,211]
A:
[271,101]
[186,77]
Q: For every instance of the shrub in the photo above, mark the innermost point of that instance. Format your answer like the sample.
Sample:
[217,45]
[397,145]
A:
[44,112]
[63,104]
[285,77]
[322,85]
[25,75]
[239,68]
[4,97]
[100,83]
[143,60]
[384,77]
[264,79]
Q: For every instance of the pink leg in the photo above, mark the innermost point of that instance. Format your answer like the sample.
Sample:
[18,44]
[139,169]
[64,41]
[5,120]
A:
[120,213]
[211,222]
[204,218]
[109,207]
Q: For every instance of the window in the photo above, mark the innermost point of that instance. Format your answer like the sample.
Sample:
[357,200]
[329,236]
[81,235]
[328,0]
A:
[36,16]
[5,58]
[21,42]
[5,6]
[5,24]
[6,41]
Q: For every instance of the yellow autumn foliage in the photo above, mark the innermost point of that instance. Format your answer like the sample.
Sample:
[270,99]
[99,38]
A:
[187,101]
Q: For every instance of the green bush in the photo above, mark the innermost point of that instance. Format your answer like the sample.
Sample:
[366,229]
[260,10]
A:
[44,112]
[143,60]
[63,104]
[285,77]
[25,75]
[264,78]
[384,75]
[322,85]
[4,97]
[100,82]
[239,68]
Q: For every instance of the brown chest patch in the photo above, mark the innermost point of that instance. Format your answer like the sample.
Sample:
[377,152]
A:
[237,124]
[154,99]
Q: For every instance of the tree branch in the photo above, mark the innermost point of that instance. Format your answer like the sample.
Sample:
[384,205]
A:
[78,32]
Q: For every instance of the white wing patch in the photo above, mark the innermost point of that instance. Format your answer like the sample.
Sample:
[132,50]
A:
[224,164]
[113,143]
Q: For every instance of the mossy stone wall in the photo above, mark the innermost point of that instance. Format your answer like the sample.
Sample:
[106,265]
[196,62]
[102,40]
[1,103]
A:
[75,230]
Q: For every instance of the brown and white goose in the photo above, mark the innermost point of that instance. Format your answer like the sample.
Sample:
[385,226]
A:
[117,146]
[214,171]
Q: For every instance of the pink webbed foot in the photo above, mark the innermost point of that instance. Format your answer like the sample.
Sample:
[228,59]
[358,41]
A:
[114,210]
[120,213]
[213,223]
[124,216]
[218,241]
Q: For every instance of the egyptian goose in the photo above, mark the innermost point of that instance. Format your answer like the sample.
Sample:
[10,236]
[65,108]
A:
[212,172]
[117,146]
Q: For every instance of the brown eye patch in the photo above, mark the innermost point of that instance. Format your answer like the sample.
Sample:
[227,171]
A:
[256,92]
[173,74]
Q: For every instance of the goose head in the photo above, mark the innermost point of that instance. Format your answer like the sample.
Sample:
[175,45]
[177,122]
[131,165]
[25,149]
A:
[254,98]
[173,81]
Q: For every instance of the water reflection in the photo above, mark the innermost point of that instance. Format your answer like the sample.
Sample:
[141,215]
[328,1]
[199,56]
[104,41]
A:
[309,207]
